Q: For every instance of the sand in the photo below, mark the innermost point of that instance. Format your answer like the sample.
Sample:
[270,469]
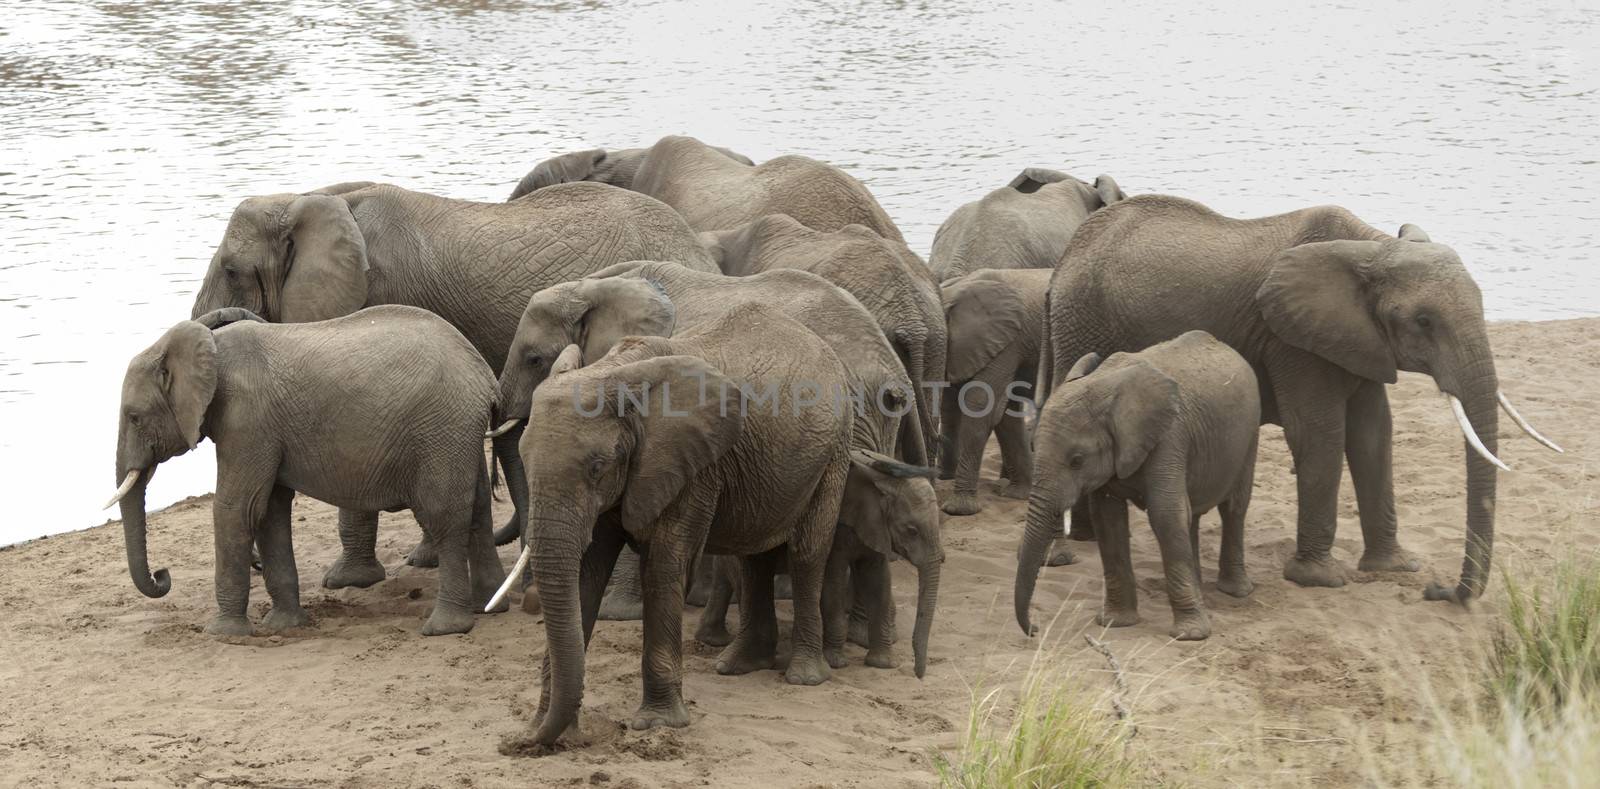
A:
[1295,686]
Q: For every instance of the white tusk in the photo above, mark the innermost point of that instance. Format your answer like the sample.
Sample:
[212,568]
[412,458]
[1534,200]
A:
[1066,523]
[1523,423]
[516,572]
[504,428]
[1472,435]
[127,485]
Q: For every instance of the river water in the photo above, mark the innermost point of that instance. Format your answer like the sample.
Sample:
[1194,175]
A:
[129,130]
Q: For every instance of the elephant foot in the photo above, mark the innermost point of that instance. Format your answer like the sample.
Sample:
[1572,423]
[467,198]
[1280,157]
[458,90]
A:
[1235,584]
[285,617]
[881,658]
[446,620]
[621,608]
[1317,571]
[672,713]
[1190,626]
[507,534]
[229,626]
[1394,560]
[807,669]
[744,655]
[782,587]
[698,595]
[858,633]
[1060,555]
[962,504]
[424,555]
[1018,489]
[713,633]
[531,604]
[357,572]
[834,656]
[1117,617]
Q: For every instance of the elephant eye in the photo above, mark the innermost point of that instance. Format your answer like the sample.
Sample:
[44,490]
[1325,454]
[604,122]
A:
[1424,322]
[1075,462]
[597,466]
[133,418]
[535,360]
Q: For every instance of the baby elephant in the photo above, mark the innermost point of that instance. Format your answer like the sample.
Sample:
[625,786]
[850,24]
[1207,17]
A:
[1172,429]
[383,409]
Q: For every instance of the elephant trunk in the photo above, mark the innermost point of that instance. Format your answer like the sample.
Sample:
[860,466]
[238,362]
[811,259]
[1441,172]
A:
[133,534]
[1479,401]
[556,560]
[1044,522]
[917,369]
[505,450]
[927,601]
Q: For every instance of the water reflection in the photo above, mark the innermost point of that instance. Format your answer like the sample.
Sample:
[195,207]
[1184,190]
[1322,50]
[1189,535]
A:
[131,129]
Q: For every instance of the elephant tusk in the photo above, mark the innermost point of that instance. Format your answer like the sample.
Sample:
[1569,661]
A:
[1523,423]
[1472,435]
[1066,523]
[516,572]
[504,428]
[127,485]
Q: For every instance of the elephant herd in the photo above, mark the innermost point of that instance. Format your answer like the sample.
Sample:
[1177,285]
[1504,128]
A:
[709,379]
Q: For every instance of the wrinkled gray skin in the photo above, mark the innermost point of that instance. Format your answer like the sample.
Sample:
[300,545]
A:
[885,276]
[1171,429]
[1326,309]
[294,258]
[716,189]
[744,483]
[379,410]
[1024,224]
[657,299]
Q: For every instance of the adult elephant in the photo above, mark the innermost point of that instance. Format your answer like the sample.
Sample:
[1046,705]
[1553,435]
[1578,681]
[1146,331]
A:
[716,189]
[294,258]
[1326,309]
[884,275]
[1024,224]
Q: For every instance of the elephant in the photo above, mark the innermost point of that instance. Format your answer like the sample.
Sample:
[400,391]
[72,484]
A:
[1172,429]
[884,275]
[715,189]
[993,319]
[1326,309]
[660,298]
[1024,224]
[719,439]
[381,409]
[294,258]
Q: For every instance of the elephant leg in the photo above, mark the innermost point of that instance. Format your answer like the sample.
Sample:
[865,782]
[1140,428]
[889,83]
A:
[1369,449]
[860,593]
[424,554]
[510,459]
[1016,456]
[982,404]
[756,645]
[276,542]
[1194,550]
[357,564]
[665,567]
[713,629]
[1175,528]
[482,561]
[836,584]
[1231,576]
[874,571]
[450,528]
[235,512]
[1313,411]
[624,601]
[704,577]
[808,559]
[949,427]
[1121,605]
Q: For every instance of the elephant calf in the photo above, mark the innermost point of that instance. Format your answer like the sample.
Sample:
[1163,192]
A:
[379,410]
[1172,429]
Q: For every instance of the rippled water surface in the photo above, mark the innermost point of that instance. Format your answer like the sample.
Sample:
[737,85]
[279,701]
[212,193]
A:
[129,130]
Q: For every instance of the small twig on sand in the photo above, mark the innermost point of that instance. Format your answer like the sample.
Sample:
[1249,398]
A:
[1302,742]
[1119,683]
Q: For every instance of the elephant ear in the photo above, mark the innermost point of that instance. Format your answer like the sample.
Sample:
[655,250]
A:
[734,155]
[619,307]
[326,263]
[671,445]
[1109,191]
[1317,297]
[983,317]
[564,169]
[1085,365]
[188,370]
[1410,232]
[1144,402]
[1031,179]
